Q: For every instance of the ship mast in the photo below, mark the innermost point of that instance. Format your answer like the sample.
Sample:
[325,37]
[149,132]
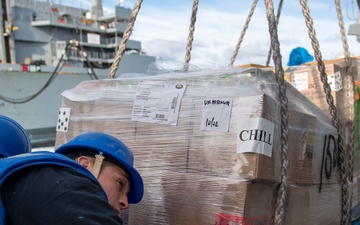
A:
[96,9]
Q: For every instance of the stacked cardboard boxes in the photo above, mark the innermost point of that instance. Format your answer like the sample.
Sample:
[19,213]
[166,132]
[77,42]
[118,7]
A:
[208,146]
[306,78]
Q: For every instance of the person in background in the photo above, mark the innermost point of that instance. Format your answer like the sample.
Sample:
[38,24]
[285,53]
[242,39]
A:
[13,138]
[88,180]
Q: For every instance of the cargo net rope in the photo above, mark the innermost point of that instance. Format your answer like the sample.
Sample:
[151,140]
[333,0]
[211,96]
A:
[346,151]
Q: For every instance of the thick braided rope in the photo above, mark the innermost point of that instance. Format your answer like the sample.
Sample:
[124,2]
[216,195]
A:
[333,111]
[279,72]
[237,47]
[277,23]
[350,89]
[125,38]
[191,34]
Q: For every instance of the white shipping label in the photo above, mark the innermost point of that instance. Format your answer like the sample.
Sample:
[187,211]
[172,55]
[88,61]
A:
[158,102]
[216,114]
[335,81]
[300,81]
[63,120]
[255,135]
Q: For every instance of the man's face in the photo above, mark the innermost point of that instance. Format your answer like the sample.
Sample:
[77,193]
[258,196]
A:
[113,180]
[116,185]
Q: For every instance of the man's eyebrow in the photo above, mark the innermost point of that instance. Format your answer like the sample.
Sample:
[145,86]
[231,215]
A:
[123,173]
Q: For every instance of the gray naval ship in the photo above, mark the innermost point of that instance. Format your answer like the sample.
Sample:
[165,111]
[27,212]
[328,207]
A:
[47,48]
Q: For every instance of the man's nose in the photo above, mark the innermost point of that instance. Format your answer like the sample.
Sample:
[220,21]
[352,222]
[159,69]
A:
[124,204]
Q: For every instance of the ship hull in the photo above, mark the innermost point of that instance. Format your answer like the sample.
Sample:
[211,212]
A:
[39,115]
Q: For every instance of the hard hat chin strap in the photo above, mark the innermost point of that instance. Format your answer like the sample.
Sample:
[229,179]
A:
[97,165]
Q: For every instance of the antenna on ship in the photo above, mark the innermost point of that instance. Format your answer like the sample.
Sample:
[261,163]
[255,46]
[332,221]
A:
[121,3]
[96,9]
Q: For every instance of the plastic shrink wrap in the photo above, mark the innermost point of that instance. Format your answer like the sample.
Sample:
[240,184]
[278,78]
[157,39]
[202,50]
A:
[306,78]
[207,144]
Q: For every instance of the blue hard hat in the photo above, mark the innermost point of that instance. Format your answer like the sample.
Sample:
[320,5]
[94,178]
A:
[13,138]
[299,56]
[115,149]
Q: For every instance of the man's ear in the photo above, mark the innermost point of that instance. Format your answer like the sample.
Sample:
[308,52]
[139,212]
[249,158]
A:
[85,161]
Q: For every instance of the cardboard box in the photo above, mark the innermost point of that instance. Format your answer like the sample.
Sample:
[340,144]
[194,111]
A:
[314,152]
[190,198]
[250,65]
[308,205]
[107,106]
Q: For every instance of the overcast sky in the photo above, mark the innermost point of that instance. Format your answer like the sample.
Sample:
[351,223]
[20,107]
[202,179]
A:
[163,28]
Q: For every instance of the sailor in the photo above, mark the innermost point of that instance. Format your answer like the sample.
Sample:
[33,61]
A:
[13,138]
[89,180]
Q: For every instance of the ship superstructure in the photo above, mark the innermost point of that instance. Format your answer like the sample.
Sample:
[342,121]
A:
[47,48]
